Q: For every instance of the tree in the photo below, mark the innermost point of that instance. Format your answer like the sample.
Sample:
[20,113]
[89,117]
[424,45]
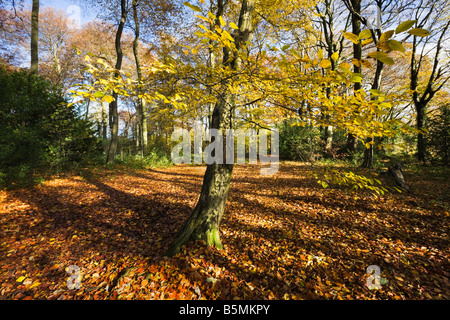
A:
[142,139]
[205,219]
[113,112]
[430,14]
[333,44]
[355,5]
[35,37]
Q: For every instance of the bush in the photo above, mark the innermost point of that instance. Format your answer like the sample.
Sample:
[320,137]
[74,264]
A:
[299,142]
[438,137]
[154,159]
[38,130]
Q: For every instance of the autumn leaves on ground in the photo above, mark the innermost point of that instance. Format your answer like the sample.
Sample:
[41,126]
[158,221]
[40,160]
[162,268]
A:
[284,238]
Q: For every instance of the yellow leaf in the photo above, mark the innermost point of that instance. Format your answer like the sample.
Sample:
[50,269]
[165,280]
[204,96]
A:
[335,56]
[395,45]
[195,8]
[35,285]
[20,279]
[356,62]
[352,37]
[233,25]
[320,54]
[345,65]
[222,22]
[108,99]
[405,26]
[365,34]
[325,63]
[367,41]
[419,32]
[366,63]
[381,56]
[386,35]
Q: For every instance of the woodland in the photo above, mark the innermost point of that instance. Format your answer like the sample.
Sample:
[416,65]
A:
[93,205]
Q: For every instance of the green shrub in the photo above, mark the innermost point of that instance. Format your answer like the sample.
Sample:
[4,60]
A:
[438,137]
[299,142]
[38,131]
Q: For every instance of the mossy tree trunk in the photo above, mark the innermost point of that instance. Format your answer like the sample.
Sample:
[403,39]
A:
[204,222]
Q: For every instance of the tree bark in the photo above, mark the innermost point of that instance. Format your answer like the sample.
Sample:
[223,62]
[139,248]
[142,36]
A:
[376,85]
[421,118]
[205,219]
[352,140]
[141,115]
[396,172]
[35,37]
[113,113]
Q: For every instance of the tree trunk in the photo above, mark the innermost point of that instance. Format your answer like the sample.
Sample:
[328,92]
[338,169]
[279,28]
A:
[376,85]
[352,140]
[35,37]
[205,219]
[368,155]
[141,116]
[396,172]
[328,137]
[113,113]
[104,122]
[421,118]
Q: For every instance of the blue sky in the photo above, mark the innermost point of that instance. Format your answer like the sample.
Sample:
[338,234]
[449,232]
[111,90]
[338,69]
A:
[85,15]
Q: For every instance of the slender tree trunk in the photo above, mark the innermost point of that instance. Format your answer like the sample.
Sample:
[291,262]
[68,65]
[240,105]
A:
[35,37]
[205,219]
[141,115]
[421,118]
[104,122]
[376,85]
[113,113]
[328,137]
[352,140]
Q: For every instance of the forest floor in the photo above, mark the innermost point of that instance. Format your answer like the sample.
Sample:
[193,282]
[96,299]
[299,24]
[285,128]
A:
[284,236]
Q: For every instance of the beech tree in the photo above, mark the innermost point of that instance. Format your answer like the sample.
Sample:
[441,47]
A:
[432,15]
[113,112]
[205,219]
[34,37]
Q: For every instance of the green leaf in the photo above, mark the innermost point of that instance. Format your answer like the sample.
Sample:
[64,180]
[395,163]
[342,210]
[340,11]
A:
[405,26]
[356,78]
[395,45]
[419,32]
[99,94]
[193,7]
[365,34]
[285,47]
[375,92]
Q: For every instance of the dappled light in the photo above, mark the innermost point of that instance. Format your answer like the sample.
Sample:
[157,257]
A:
[284,238]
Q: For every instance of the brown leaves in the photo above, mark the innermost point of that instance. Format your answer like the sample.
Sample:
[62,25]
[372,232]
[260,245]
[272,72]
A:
[284,238]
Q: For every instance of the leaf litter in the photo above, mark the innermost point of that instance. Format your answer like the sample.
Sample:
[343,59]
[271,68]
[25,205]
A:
[284,238]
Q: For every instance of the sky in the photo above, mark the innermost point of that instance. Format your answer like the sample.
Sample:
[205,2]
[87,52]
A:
[72,8]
